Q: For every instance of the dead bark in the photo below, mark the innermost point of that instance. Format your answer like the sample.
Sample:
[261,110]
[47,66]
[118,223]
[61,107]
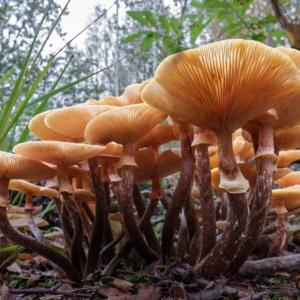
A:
[271,265]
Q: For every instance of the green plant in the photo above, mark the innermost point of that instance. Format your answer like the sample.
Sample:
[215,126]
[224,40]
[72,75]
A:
[171,31]
[47,283]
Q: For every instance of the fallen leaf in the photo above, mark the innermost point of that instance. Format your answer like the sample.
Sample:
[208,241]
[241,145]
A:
[149,292]
[122,284]
[125,297]
[207,294]
[177,291]
[26,256]
[109,291]
[15,268]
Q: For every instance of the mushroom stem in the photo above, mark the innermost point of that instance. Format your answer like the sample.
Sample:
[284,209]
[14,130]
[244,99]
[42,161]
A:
[30,220]
[164,201]
[280,236]
[215,264]
[134,232]
[110,246]
[194,230]
[88,212]
[208,236]
[118,193]
[182,237]
[219,202]
[108,236]
[260,201]
[182,188]
[20,239]
[101,215]
[141,209]
[231,178]
[86,224]
[77,238]
[69,233]
[34,228]
[4,182]
[127,247]
[67,192]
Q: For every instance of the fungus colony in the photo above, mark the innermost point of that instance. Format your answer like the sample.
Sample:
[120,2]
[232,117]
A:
[225,102]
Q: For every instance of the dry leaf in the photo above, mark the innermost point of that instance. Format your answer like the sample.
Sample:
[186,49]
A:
[122,285]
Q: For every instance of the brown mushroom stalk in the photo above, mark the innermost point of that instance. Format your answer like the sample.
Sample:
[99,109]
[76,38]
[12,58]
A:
[66,191]
[141,209]
[182,188]
[101,218]
[194,230]
[29,243]
[126,125]
[34,228]
[232,180]
[208,236]
[260,202]
[127,247]
[133,230]
[280,236]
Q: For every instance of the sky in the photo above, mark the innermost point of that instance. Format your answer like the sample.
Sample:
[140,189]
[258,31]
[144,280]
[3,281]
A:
[79,16]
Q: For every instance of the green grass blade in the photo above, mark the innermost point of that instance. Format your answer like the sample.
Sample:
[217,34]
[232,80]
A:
[67,86]
[49,207]
[42,105]
[20,82]
[9,249]
[25,101]
[11,140]
[6,75]
[15,253]
[45,41]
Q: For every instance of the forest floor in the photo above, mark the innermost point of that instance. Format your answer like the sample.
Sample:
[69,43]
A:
[37,281]
[32,277]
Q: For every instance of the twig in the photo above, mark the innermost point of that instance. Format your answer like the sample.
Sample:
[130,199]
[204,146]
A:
[238,15]
[271,265]
[50,291]
[157,278]
[71,40]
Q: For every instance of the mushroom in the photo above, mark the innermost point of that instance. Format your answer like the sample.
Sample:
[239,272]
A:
[288,157]
[38,128]
[202,139]
[18,167]
[63,155]
[283,200]
[71,121]
[288,180]
[159,135]
[126,125]
[29,190]
[217,87]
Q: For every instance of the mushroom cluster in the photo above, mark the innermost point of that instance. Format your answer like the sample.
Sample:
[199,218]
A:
[225,102]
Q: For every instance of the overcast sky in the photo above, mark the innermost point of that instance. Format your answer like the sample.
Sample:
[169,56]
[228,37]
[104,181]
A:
[79,16]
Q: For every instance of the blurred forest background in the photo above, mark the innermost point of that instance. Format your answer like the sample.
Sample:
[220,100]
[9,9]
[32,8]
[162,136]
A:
[150,31]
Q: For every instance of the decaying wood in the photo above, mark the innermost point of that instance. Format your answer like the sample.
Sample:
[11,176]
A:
[271,265]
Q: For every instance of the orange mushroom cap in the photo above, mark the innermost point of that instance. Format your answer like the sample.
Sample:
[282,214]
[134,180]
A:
[58,153]
[13,166]
[159,135]
[284,200]
[288,157]
[290,179]
[71,121]
[217,86]
[122,125]
[38,128]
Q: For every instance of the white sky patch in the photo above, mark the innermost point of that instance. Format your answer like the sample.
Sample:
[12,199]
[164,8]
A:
[80,15]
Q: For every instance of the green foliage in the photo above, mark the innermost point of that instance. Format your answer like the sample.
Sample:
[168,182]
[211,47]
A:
[234,16]
[47,284]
